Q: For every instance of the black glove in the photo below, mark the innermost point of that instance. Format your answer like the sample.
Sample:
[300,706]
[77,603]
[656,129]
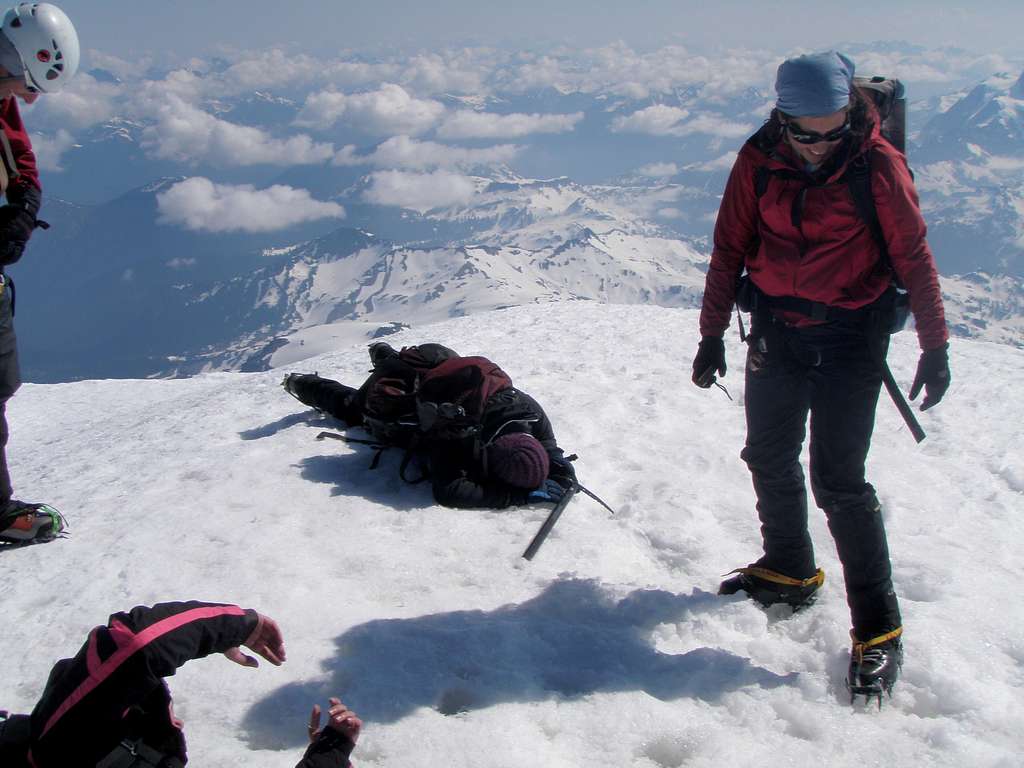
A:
[562,471]
[15,223]
[11,251]
[933,375]
[710,358]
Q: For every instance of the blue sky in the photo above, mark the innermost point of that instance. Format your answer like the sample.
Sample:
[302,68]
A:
[193,27]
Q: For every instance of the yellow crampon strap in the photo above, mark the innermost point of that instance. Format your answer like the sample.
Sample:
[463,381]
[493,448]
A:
[860,646]
[777,578]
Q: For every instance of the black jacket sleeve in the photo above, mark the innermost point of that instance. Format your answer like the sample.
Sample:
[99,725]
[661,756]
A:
[330,750]
[185,631]
[78,719]
[464,492]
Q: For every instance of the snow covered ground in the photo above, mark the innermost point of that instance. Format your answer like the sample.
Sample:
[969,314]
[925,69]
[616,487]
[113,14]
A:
[610,648]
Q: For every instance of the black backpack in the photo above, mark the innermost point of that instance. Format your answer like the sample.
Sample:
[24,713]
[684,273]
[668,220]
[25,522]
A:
[890,99]
[389,394]
[426,395]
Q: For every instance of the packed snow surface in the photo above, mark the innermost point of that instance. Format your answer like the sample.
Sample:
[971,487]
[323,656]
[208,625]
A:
[611,648]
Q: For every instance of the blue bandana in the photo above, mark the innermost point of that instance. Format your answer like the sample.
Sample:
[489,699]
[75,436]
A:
[814,85]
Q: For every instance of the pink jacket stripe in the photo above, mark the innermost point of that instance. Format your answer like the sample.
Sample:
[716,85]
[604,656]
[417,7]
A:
[128,644]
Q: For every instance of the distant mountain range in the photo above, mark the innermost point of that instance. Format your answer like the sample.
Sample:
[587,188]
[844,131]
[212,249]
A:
[970,174]
[110,291]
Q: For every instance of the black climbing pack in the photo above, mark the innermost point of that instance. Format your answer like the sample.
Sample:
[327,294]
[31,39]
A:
[424,395]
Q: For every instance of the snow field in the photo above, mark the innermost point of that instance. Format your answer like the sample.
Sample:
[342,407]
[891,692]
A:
[610,648]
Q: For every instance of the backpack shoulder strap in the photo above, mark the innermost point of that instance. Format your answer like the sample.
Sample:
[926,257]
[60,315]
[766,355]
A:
[858,179]
[761,178]
[763,175]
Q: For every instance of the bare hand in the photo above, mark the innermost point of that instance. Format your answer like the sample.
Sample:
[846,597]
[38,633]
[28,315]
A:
[340,718]
[265,640]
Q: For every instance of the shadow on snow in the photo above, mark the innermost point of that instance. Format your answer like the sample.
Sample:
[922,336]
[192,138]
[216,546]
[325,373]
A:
[350,472]
[311,417]
[570,641]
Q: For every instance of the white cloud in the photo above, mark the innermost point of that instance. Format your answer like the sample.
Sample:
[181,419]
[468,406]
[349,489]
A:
[659,170]
[656,120]
[84,103]
[281,69]
[387,111]
[48,150]
[617,69]
[322,110]
[449,73]
[467,124]
[200,204]
[715,125]
[720,163]
[180,84]
[405,152]
[186,133]
[122,68]
[933,66]
[662,120]
[419,191]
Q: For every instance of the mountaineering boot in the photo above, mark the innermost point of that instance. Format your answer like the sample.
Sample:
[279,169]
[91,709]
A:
[380,351]
[293,382]
[768,587]
[22,523]
[875,665]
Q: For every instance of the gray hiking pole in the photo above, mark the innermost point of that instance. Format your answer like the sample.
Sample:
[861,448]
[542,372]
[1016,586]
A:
[901,403]
[545,529]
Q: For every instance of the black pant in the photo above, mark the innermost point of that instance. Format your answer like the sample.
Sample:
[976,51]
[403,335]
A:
[10,378]
[829,372]
[327,395]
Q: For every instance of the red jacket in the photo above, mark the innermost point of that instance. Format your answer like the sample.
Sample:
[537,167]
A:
[21,148]
[829,254]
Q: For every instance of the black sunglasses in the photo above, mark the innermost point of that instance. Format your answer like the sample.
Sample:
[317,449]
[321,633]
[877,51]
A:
[803,136]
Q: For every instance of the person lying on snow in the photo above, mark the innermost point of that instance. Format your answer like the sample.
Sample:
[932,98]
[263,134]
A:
[481,442]
[110,707]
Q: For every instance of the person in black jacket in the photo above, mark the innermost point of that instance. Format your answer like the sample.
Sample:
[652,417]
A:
[110,707]
[511,459]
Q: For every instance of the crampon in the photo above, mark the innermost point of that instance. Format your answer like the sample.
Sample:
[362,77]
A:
[23,524]
[767,587]
[875,666]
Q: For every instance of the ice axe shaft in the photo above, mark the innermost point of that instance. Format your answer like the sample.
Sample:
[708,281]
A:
[548,524]
[901,402]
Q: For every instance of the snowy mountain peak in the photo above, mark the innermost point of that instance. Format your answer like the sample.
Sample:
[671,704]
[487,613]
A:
[1017,89]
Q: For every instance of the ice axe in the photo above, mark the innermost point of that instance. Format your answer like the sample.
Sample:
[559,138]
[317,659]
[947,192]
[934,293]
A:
[556,513]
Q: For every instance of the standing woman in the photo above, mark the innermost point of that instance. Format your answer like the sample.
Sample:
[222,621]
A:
[819,283]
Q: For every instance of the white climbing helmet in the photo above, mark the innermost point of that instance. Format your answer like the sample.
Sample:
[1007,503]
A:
[47,43]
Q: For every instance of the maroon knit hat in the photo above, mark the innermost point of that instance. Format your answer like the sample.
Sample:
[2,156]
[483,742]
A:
[519,460]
